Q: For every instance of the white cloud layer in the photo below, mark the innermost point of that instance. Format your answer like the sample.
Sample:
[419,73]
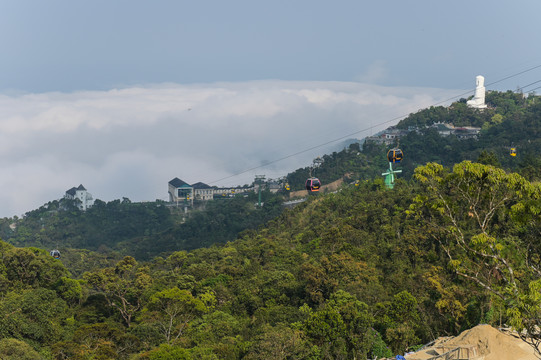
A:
[131,142]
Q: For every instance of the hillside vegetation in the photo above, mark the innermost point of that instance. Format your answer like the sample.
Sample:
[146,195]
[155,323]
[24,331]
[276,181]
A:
[143,230]
[361,273]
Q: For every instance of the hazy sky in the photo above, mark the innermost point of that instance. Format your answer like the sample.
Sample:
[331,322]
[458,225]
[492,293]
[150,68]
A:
[122,96]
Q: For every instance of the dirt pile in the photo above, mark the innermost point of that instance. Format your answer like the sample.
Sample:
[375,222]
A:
[482,342]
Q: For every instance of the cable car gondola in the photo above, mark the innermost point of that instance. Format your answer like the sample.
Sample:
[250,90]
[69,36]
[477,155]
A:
[313,184]
[513,151]
[55,253]
[395,155]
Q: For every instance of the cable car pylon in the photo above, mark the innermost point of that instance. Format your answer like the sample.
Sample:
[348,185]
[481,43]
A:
[259,179]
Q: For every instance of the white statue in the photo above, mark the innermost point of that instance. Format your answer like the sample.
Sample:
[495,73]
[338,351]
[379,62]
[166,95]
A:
[478,100]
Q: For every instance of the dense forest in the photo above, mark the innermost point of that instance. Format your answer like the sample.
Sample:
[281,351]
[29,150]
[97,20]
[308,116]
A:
[362,273]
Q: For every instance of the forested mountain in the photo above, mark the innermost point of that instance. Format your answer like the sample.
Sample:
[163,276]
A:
[144,230]
[511,120]
[361,273]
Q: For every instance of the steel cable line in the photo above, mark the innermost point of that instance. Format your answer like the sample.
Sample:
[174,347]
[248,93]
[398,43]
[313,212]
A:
[525,86]
[514,75]
[539,87]
[369,128]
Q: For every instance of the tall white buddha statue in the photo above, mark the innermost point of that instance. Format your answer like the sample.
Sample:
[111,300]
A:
[478,101]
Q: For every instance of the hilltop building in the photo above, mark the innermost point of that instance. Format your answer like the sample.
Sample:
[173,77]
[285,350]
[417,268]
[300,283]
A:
[203,191]
[478,101]
[85,199]
[388,136]
[391,135]
[181,192]
[461,132]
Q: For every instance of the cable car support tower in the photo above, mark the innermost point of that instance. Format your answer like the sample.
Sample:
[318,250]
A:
[259,179]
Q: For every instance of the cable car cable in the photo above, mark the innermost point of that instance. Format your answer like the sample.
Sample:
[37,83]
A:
[539,87]
[525,86]
[514,75]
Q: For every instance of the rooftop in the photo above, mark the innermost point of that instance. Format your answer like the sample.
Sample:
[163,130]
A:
[176,182]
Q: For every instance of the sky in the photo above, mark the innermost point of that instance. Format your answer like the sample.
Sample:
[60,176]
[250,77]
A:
[122,96]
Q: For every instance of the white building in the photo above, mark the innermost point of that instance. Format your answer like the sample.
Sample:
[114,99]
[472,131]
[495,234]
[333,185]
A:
[79,193]
[203,191]
[388,136]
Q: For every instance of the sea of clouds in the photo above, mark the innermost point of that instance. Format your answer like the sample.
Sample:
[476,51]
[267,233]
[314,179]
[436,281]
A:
[130,142]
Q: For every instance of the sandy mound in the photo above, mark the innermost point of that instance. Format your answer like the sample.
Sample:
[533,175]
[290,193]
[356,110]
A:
[482,342]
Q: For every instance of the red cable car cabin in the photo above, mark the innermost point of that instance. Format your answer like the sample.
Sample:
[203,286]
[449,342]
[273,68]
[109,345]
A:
[313,184]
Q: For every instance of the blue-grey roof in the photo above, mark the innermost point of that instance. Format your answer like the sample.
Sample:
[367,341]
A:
[176,182]
[73,190]
[200,185]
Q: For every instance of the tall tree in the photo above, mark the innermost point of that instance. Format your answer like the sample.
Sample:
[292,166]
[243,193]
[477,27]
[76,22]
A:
[473,214]
[172,309]
[122,286]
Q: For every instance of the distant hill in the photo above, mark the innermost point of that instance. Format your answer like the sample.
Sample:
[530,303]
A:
[145,230]
[511,120]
